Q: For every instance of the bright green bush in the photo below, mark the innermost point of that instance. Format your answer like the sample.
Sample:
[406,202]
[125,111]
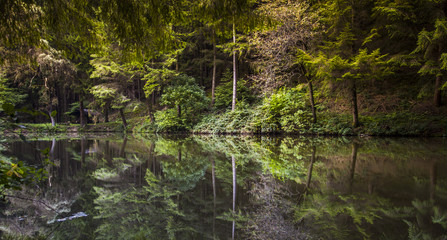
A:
[238,121]
[185,95]
[285,110]
[168,121]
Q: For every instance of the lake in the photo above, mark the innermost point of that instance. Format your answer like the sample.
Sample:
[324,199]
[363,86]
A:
[227,187]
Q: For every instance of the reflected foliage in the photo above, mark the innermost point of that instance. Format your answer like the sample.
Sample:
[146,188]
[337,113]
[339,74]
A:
[173,187]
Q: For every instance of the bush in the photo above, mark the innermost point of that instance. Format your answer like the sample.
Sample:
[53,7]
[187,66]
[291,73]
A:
[184,94]
[285,110]
[168,121]
[238,121]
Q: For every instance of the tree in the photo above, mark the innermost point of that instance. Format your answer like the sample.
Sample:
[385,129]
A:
[54,72]
[108,96]
[363,66]
[276,49]
[9,95]
[433,46]
[187,97]
[241,15]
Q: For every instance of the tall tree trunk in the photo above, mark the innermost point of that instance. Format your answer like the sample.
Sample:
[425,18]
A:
[213,81]
[312,102]
[438,83]
[438,93]
[355,111]
[81,111]
[123,117]
[353,87]
[151,107]
[139,89]
[179,111]
[233,104]
[106,114]
[53,120]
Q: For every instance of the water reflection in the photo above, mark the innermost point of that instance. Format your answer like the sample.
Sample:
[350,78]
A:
[207,187]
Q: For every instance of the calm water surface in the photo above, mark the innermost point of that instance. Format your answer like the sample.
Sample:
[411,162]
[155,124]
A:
[209,187]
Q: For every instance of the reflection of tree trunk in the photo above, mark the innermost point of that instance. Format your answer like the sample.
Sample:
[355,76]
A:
[309,173]
[53,145]
[123,117]
[233,165]
[67,160]
[107,153]
[433,177]
[82,150]
[122,152]
[51,157]
[151,160]
[353,162]
[213,179]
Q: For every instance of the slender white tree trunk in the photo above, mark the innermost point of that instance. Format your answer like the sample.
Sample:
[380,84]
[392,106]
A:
[213,82]
[233,105]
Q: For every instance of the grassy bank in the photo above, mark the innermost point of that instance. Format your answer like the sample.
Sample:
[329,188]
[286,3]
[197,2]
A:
[248,119]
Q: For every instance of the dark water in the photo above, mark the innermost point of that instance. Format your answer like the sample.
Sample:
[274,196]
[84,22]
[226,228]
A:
[207,187]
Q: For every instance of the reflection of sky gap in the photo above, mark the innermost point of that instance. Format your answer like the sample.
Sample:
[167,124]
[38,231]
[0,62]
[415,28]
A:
[91,150]
[74,216]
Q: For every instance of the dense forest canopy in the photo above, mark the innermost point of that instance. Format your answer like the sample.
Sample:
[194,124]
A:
[226,65]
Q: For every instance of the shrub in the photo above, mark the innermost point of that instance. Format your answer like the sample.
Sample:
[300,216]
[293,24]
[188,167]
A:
[285,110]
[186,99]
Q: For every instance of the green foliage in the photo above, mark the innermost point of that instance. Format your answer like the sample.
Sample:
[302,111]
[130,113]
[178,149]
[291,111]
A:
[9,95]
[186,100]
[155,78]
[224,92]
[16,175]
[241,120]
[424,219]
[185,92]
[103,94]
[168,120]
[324,210]
[285,110]
[430,46]
[153,209]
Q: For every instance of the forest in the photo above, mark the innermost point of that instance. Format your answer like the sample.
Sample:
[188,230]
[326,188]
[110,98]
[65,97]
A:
[329,67]
[223,119]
